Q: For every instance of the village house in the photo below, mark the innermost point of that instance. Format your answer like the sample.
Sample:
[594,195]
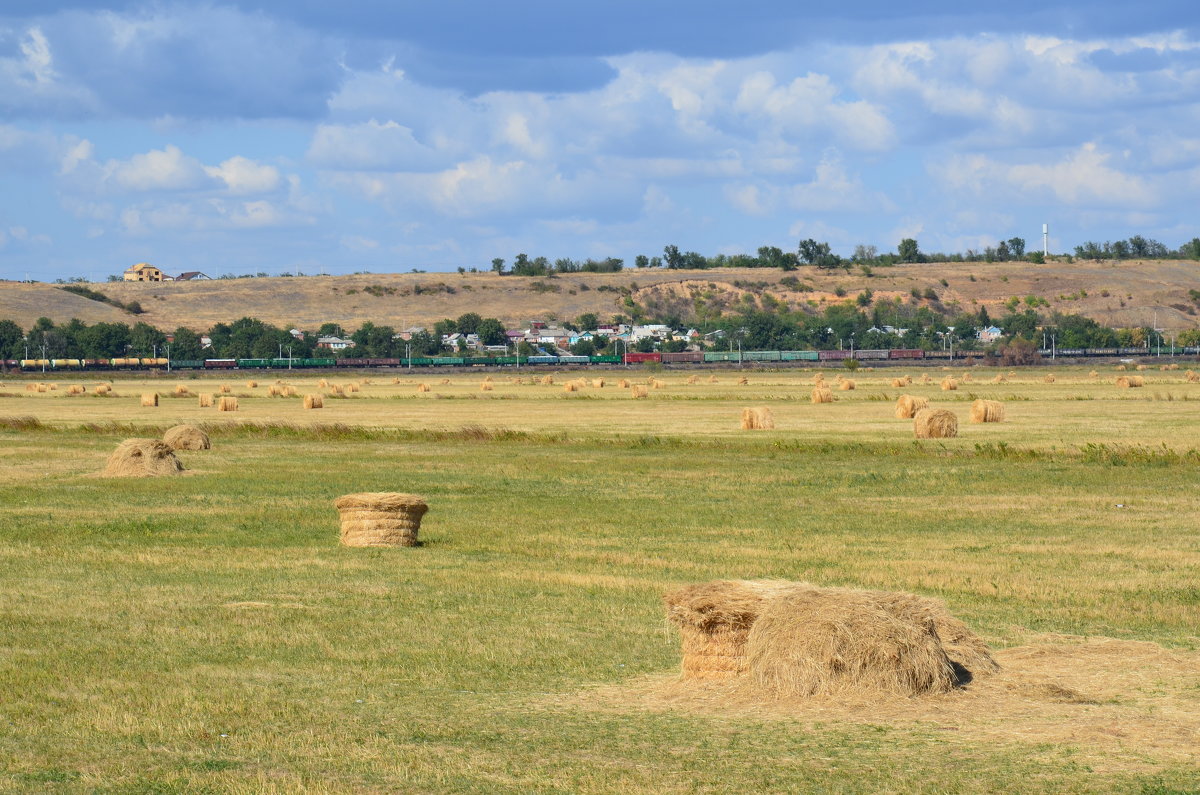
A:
[334,343]
[144,272]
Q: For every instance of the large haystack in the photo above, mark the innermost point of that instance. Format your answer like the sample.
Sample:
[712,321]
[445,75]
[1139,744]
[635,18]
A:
[1192,377]
[205,400]
[314,402]
[999,379]
[949,384]
[898,383]
[935,424]
[380,519]
[76,389]
[758,419]
[102,389]
[907,406]
[486,386]
[623,383]
[227,403]
[187,437]
[139,458]
[570,386]
[422,387]
[638,391]
[150,399]
[743,381]
[822,394]
[714,619]
[987,411]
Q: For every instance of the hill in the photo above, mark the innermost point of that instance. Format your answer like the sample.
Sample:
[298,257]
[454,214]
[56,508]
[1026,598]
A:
[1128,293]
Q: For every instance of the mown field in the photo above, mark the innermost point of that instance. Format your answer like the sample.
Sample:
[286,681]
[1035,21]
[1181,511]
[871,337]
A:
[206,633]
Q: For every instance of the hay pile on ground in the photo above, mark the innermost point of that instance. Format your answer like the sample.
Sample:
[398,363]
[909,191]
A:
[205,400]
[335,390]
[822,394]
[570,387]
[225,389]
[999,379]
[187,437]
[925,379]
[322,384]
[1128,381]
[743,381]
[251,384]
[31,387]
[1141,367]
[1093,374]
[693,379]
[758,419]
[138,458]
[712,379]
[898,383]
[794,639]
[987,411]
[1192,378]
[638,391]
[76,389]
[907,406]
[274,390]
[150,399]
[227,403]
[289,391]
[395,381]
[314,402]
[486,386]
[181,390]
[1120,368]
[1049,379]
[445,381]
[422,387]
[623,383]
[380,519]
[102,389]
[350,388]
[966,378]
[949,384]
[656,384]
[935,424]
[846,384]
[597,383]
[547,380]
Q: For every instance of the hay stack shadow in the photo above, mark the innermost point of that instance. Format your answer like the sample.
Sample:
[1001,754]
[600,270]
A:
[380,519]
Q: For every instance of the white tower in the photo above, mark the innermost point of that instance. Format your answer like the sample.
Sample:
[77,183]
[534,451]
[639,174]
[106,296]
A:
[1045,240]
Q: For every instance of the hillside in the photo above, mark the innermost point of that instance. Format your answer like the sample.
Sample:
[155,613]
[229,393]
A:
[1114,293]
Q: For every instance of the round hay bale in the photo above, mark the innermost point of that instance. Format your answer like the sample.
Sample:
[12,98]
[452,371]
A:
[758,419]
[569,387]
[818,642]
[623,383]
[102,389]
[251,384]
[335,390]
[31,387]
[380,519]
[76,389]
[898,383]
[1141,367]
[638,391]
[445,381]
[925,379]
[547,380]
[1192,378]
[150,399]
[999,379]
[350,388]
[987,411]
[314,402]
[949,384]
[1049,379]
[486,386]
[187,437]
[225,389]
[395,381]
[289,391]
[1120,368]
[1137,380]
[846,385]
[656,384]
[227,403]
[907,406]
[692,380]
[743,381]
[597,383]
[273,390]
[181,390]
[712,379]
[205,400]
[323,384]
[422,387]
[714,619]
[935,424]
[822,394]
[139,458]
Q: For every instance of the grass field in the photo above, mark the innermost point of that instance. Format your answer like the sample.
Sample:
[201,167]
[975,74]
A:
[207,633]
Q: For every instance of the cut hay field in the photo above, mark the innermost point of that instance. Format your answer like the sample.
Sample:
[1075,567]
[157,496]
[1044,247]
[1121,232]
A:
[206,633]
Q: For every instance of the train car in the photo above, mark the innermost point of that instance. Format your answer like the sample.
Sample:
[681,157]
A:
[798,356]
[35,363]
[832,356]
[187,364]
[573,359]
[606,359]
[906,353]
[1102,351]
[683,356]
[722,356]
[384,362]
[448,361]
[937,354]
[636,357]
[1071,352]
[62,364]
[220,364]
[543,359]
[868,353]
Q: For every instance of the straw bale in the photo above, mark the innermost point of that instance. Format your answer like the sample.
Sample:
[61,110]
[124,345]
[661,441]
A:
[898,383]
[487,378]
[322,384]
[150,399]
[907,406]
[206,400]
[102,389]
[422,387]
[597,383]
[638,391]
[274,390]
[987,411]
[693,380]
[141,458]
[76,389]
[350,387]
[1120,368]
[289,391]
[227,403]
[822,394]
[31,387]
[187,437]
[395,381]
[1093,374]
[1137,380]
[758,419]
[908,380]
[949,384]
[1128,381]
[380,519]
[966,378]
[547,380]
[226,389]
[1049,379]
[846,385]
[335,390]
[1192,378]
[252,384]
[43,387]
[818,379]
[53,387]
[570,387]
[743,381]
[623,383]
[445,381]
[1141,367]
[486,386]
[999,379]
[714,619]
[935,424]
[314,402]
[712,379]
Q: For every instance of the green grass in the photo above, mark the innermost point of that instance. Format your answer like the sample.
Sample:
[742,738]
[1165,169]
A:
[207,633]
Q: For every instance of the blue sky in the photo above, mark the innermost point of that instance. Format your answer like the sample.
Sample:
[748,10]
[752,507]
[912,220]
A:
[377,135]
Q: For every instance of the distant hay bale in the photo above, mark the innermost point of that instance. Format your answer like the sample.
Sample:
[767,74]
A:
[335,390]
[908,380]
[422,387]
[1130,381]
[818,379]
[322,384]
[570,387]
[758,419]
[150,399]
[925,379]
[935,424]
[714,619]
[289,391]
[76,389]
[1141,367]
[1049,379]
[999,379]
[743,381]
[987,411]
[623,383]
[53,387]
[966,378]
[1120,368]
[907,406]
[226,389]
[227,403]
[693,380]
[380,519]
[898,383]
[187,437]
[444,381]
[43,387]
[1172,366]
[314,402]
[822,394]
[206,400]
[1191,377]
[949,384]
[31,387]
[136,458]
[1093,374]
[712,379]
[274,390]
[102,389]
[181,390]
[486,386]
[656,384]
[598,383]
[1137,380]
[547,380]
[846,384]
[350,388]
[252,384]
[638,391]
[487,378]
[395,381]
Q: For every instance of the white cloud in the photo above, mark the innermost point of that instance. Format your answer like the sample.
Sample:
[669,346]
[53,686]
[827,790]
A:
[159,169]
[371,146]
[242,175]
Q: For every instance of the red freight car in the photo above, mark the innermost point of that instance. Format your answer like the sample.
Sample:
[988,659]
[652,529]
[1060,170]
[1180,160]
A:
[634,357]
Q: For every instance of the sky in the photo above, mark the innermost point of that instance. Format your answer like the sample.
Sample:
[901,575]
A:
[272,136]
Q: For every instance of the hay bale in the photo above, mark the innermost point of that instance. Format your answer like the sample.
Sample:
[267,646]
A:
[1049,379]
[758,419]
[623,383]
[1192,378]
[966,378]
[822,394]
[818,642]
[486,386]
[205,400]
[31,387]
[137,458]
[181,390]
[444,381]
[743,381]
[692,380]
[1137,380]
[314,402]
[925,379]
[322,384]
[949,384]
[380,519]
[898,383]
[251,384]
[712,379]
[714,619]
[102,389]
[999,379]
[1120,368]
[846,385]
[187,437]
[350,388]
[289,391]
[53,387]
[547,380]
[227,403]
[1141,367]
[422,387]
[638,391]
[570,387]
[1130,381]
[395,381]
[987,411]
[335,390]
[273,390]
[818,379]
[1093,374]
[907,406]
[656,384]
[597,383]
[225,389]
[935,424]
[76,389]
[150,399]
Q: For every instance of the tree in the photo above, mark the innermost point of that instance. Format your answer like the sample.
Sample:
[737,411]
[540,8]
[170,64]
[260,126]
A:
[498,264]
[468,323]
[908,250]
[1002,252]
[444,328]
[1191,249]
[186,344]
[524,348]
[583,348]
[1016,245]
[641,261]
[811,252]
[12,345]
[587,321]
[865,253]
[145,339]
[672,258]
[491,332]
[425,344]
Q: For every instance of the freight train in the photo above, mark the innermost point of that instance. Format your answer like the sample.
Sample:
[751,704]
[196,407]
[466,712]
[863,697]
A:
[687,357]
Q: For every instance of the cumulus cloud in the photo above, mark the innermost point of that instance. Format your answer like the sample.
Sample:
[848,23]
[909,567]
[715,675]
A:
[159,169]
[243,175]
